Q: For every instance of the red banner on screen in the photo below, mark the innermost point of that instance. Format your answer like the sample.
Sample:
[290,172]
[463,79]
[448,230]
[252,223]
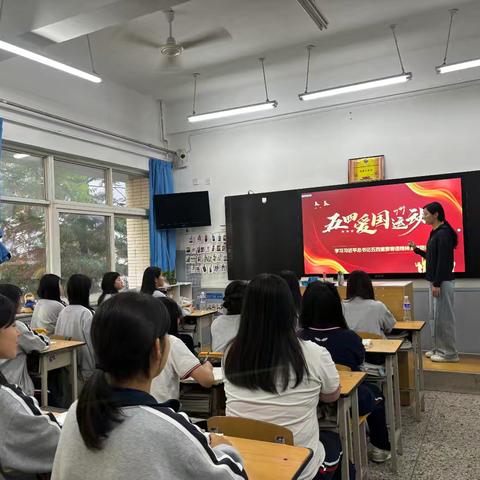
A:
[368,228]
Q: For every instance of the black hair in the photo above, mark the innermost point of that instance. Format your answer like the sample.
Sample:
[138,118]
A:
[233,297]
[435,207]
[12,292]
[174,311]
[322,307]
[360,285]
[7,312]
[148,281]
[124,331]
[108,285]
[49,287]
[78,290]
[266,347]
[292,282]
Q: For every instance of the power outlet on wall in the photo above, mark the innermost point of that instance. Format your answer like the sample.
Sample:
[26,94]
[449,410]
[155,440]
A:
[195,182]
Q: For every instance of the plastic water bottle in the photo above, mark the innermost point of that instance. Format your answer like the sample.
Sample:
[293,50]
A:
[407,309]
[202,301]
[340,279]
[324,277]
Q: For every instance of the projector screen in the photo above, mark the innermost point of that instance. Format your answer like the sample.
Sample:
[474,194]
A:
[368,228]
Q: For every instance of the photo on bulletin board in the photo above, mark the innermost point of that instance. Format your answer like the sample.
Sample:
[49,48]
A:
[366,169]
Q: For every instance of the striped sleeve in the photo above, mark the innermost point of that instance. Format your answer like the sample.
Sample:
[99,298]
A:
[211,464]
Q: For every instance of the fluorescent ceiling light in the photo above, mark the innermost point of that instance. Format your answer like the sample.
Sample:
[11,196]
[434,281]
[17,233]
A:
[19,156]
[230,112]
[356,87]
[453,67]
[49,62]
[314,13]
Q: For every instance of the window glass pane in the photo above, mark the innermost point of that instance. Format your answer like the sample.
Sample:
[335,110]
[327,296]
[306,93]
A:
[83,246]
[24,235]
[132,249]
[130,190]
[21,175]
[79,183]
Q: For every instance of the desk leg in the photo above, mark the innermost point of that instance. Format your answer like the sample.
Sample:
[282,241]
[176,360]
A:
[357,442]
[398,411]
[73,374]
[418,338]
[343,431]
[44,380]
[417,356]
[390,404]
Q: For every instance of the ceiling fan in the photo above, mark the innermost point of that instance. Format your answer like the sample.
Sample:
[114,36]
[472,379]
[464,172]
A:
[172,49]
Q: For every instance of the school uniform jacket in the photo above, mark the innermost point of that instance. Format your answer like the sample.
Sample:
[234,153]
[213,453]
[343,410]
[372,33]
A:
[153,442]
[28,437]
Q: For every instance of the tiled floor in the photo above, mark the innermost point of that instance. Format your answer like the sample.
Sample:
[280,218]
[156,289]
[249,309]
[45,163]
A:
[445,445]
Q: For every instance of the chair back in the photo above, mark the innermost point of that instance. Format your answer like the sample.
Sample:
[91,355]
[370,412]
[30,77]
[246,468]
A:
[251,429]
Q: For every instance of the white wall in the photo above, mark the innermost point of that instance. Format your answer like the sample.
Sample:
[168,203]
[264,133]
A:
[107,106]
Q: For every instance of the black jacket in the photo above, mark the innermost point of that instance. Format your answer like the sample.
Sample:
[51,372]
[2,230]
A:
[439,255]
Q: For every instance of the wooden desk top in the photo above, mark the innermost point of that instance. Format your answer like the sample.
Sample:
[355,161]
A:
[201,313]
[384,346]
[411,325]
[58,345]
[349,381]
[271,461]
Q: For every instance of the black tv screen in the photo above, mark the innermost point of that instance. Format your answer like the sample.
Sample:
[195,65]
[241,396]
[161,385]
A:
[180,210]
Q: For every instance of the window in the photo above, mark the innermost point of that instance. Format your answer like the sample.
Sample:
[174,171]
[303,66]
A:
[24,235]
[130,190]
[21,175]
[84,246]
[132,248]
[79,183]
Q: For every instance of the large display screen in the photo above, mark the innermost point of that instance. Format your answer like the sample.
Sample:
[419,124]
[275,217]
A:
[368,228]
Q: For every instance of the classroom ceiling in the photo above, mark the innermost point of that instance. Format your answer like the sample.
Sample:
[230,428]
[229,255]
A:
[125,34]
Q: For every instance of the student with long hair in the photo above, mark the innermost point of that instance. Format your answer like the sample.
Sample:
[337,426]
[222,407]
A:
[181,363]
[362,312]
[49,305]
[112,283]
[292,282]
[28,437]
[75,321]
[15,369]
[225,327]
[273,376]
[439,258]
[117,430]
[152,282]
[322,322]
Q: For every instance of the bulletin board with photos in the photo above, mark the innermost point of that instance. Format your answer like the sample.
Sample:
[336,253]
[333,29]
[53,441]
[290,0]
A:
[206,253]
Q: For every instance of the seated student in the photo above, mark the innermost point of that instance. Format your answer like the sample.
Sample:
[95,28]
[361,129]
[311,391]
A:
[176,314]
[181,364]
[117,430]
[323,322]
[112,283]
[75,321]
[292,282]
[225,327]
[273,376]
[362,312]
[152,282]
[28,438]
[49,305]
[15,369]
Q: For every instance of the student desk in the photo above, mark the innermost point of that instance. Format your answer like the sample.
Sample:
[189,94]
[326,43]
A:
[392,395]
[60,353]
[414,330]
[202,336]
[271,461]
[349,381]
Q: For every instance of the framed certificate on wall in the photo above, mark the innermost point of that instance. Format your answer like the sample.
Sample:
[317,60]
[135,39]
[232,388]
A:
[366,169]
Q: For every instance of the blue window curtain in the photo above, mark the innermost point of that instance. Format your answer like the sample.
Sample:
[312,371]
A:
[4,253]
[162,242]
